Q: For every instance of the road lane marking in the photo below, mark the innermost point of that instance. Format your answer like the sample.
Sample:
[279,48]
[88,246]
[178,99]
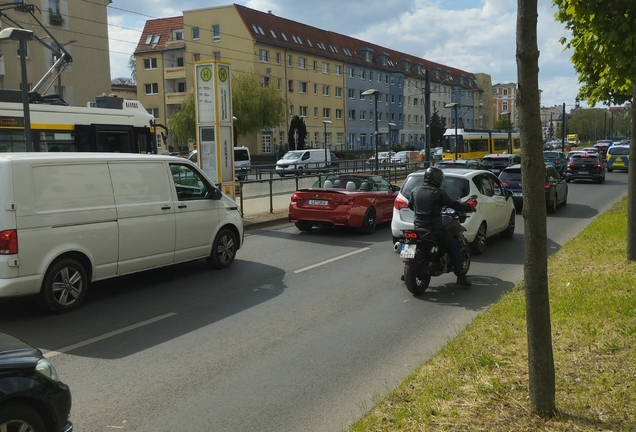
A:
[49,354]
[331,260]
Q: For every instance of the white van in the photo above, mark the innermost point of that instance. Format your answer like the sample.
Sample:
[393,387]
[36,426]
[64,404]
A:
[242,161]
[68,219]
[303,162]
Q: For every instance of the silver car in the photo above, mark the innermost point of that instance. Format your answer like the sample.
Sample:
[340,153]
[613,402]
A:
[495,209]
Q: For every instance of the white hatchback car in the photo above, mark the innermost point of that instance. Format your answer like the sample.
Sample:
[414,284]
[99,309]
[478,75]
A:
[495,210]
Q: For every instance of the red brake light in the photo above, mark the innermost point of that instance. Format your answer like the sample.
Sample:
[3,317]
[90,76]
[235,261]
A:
[472,203]
[410,234]
[547,185]
[557,161]
[505,184]
[8,242]
[598,165]
[400,204]
[294,198]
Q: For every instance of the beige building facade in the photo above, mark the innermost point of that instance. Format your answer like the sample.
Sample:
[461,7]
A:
[81,28]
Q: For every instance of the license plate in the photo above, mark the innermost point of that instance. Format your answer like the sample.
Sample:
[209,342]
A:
[583,172]
[319,202]
[517,194]
[407,251]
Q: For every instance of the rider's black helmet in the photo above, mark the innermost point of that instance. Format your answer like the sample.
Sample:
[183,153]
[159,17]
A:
[434,176]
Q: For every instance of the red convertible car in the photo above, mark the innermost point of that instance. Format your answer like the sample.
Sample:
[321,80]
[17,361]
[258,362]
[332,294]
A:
[351,200]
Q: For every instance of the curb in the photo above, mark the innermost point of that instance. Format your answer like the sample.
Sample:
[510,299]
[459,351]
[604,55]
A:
[249,226]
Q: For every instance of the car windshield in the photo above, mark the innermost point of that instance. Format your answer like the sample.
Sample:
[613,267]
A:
[620,151]
[585,158]
[494,162]
[511,175]
[293,155]
[455,187]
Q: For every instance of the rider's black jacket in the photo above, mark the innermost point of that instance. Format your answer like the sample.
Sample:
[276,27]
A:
[427,202]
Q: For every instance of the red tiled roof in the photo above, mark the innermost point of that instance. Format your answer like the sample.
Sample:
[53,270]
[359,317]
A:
[268,22]
[162,27]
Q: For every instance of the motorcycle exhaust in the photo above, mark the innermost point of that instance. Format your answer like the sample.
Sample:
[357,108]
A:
[397,247]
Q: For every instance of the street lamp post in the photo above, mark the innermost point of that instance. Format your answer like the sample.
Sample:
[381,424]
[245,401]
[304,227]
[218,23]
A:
[22,36]
[375,93]
[508,113]
[454,105]
[325,122]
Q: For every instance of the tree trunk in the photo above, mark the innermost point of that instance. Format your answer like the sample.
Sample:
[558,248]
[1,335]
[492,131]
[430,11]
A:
[631,188]
[540,357]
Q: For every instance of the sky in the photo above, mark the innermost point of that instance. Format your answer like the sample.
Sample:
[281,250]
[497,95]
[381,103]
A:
[477,36]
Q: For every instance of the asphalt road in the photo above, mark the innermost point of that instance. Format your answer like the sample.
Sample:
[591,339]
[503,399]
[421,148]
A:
[304,332]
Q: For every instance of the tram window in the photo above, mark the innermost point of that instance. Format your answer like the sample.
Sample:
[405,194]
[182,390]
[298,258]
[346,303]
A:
[12,142]
[501,145]
[480,145]
[61,141]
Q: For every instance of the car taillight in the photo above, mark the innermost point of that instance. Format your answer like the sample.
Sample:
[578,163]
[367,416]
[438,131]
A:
[410,234]
[547,185]
[8,242]
[472,202]
[400,204]
[505,184]
[570,165]
[598,165]
[343,200]
[294,198]
[557,161]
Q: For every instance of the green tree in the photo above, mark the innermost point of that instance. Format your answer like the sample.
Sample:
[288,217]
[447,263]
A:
[604,48]
[255,106]
[438,127]
[502,123]
[297,130]
[181,123]
[132,65]
[541,377]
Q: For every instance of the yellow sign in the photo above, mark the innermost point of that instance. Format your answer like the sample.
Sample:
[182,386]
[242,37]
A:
[222,74]
[206,74]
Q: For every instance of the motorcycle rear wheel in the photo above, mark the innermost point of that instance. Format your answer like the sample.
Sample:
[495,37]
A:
[415,284]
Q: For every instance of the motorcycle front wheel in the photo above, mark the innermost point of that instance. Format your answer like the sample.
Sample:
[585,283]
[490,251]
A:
[416,285]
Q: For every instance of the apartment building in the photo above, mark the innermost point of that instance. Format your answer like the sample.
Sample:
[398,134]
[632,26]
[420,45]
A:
[80,27]
[322,75]
[505,100]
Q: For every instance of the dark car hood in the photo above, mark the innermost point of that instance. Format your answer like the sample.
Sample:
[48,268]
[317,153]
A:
[11,347]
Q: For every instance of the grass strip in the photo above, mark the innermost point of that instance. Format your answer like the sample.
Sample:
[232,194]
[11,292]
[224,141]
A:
[479,380]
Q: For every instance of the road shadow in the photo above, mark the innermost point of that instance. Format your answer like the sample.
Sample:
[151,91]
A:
[578,211]
[485,291]
[196,296]
[507,251]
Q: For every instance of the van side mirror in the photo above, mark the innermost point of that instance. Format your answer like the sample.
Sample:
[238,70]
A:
[216,194]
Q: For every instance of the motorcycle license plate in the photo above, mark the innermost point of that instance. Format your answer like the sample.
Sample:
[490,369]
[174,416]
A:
[407,251]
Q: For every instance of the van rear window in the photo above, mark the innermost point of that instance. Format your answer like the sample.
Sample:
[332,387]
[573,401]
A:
[241,155]
[618,151]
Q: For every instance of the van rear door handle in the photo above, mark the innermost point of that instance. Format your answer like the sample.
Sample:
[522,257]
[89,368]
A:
[165,208]
[182,206]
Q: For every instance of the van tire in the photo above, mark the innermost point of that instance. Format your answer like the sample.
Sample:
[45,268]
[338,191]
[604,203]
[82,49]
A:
[64,286]
[223,250]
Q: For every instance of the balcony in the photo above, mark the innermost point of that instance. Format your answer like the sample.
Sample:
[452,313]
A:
[175,98]
[175,72]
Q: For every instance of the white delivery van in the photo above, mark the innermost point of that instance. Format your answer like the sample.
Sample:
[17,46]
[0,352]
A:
[68,219]
[303,162]
[242,162]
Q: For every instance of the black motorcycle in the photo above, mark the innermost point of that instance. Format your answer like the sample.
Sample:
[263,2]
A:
[424,256]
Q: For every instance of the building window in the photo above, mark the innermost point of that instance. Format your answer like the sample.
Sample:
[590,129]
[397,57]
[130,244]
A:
[265,81]
[266,142]
[150,63]
[216,33]
[26,51]
[352,141]
[315,89]
[361,95]
[277,58]
[180,62]
[338,92]
[303,111]
[338,70]
[263,56]
[363,74]
[352,114]
[291,110]
[363,140]
[315,65]
[325,90]
[178,35]
[352,93]
[328,138]
[280,83]
[339,138]
[315,112]
[217,55]
[195,33]
[505,92]
[504,106]
[352,72]
[363,115]
[181,87]
[325,68]
[290,85]
[55,17]
[152,89]
[302,63]
[338,114]
[302,87]
[326,112]
[290,60]
[196,57]
[153,111]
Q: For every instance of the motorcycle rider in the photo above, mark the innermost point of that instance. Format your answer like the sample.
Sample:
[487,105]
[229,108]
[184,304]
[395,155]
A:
[427,202]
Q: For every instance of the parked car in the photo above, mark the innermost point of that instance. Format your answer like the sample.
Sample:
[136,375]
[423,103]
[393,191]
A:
[461,164]
[32,398]
[495,209]
[585,167]
[557,159]
[618,158]
[351,200]
[384,158]
[401,158]
[436,153]
[495,163]
[556,190]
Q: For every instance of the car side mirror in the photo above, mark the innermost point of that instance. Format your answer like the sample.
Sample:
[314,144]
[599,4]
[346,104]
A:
[508,194]
[395,188]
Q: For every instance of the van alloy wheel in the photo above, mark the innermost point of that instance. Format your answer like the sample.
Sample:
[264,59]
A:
[64,286]
[223,249]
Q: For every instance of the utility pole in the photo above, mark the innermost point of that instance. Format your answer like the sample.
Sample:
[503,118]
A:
[427,119]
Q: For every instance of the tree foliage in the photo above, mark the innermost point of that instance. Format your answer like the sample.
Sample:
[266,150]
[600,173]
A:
[437,128]
[132,65]
[123,80]
[298,129]
[502,123]
[541,375]
[181,123]
[256,107]
[604,48]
